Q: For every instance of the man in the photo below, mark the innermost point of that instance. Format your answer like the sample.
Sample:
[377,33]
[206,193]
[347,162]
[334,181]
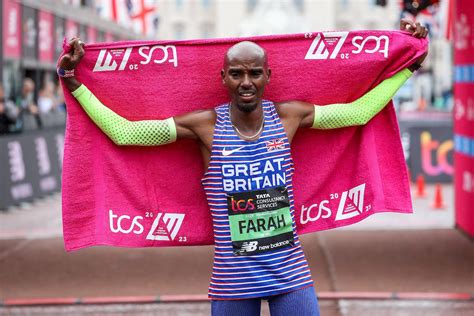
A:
[4,120]
[249,189]
[8,112]
[27,97]
[27,102]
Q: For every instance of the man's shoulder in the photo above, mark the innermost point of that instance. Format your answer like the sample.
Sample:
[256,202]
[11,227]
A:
[285,104]
[197,120]
[205,117]
[287,108]
[205,114]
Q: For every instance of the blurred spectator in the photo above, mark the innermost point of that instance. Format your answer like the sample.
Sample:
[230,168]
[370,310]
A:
[4,121]
[27,96]
[46,100]
[27,101]
[61,103]
[8,112]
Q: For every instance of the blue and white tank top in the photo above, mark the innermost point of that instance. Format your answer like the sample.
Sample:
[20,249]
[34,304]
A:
[250,194]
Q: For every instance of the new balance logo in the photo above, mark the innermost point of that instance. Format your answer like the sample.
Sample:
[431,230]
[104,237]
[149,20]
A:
[170,228]
[249,246]
[322,44]
[106,62]
[355,205]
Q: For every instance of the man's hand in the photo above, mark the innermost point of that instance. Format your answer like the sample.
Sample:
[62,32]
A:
[416,29]
[419,31]
[71,59]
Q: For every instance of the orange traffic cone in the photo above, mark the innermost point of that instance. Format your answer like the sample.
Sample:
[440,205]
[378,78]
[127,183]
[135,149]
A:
[420,186]
[422,104]
[438,198]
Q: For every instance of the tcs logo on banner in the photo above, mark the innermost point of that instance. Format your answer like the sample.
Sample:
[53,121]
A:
[327,45]
[117,59]
[351,204]
[165,226]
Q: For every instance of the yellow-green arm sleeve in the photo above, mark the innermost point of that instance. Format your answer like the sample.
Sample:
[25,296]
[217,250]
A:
[121,130]
[360,111]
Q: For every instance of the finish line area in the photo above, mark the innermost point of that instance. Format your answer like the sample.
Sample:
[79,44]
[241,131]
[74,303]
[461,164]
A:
[389,264]
[328,307]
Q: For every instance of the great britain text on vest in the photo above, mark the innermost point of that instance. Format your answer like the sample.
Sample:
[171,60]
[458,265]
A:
[253,176]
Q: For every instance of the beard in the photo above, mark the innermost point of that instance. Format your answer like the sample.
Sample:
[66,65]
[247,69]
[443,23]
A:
[246,107]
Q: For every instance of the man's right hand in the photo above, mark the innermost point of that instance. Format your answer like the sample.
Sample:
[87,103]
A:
[72,58]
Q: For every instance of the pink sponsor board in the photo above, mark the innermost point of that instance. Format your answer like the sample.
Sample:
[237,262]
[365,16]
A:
[464,115]
[45,36]
[11,29]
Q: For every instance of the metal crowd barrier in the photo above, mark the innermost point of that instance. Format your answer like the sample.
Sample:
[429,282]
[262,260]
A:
[31,161]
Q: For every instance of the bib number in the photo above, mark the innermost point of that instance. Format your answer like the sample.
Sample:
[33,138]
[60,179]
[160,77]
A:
[260,221]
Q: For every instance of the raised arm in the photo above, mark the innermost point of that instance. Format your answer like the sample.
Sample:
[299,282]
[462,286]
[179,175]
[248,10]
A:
[121,131]
[296,114]
[362,110]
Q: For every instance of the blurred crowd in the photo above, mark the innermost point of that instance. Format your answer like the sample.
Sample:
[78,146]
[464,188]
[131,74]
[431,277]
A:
[17,109]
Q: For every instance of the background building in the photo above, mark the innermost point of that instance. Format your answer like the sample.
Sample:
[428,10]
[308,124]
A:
[33,32]
[180,19]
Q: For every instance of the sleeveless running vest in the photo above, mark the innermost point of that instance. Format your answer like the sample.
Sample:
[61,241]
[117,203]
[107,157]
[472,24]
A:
[250,194]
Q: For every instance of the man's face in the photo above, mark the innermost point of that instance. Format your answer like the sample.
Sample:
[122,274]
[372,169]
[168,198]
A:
[245,75]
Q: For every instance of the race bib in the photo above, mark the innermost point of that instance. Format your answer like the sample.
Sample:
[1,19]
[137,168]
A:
[260,221]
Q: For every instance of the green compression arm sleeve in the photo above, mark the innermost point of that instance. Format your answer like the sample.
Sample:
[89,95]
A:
[360,111]
[121,130]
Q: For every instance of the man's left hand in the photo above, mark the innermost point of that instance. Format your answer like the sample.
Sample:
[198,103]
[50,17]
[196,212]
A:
[417,30]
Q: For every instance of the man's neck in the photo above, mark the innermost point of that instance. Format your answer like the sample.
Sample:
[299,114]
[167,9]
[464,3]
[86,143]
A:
[247,122]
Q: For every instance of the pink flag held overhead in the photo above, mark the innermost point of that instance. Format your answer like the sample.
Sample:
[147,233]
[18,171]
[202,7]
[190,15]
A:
[135,196]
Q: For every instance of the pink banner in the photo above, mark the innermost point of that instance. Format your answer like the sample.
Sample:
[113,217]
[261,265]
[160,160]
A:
[11,29]
[152,196]
[45,37]
[464,114]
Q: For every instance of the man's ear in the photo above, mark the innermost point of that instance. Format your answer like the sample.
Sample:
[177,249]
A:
[223,76]
[269,72]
